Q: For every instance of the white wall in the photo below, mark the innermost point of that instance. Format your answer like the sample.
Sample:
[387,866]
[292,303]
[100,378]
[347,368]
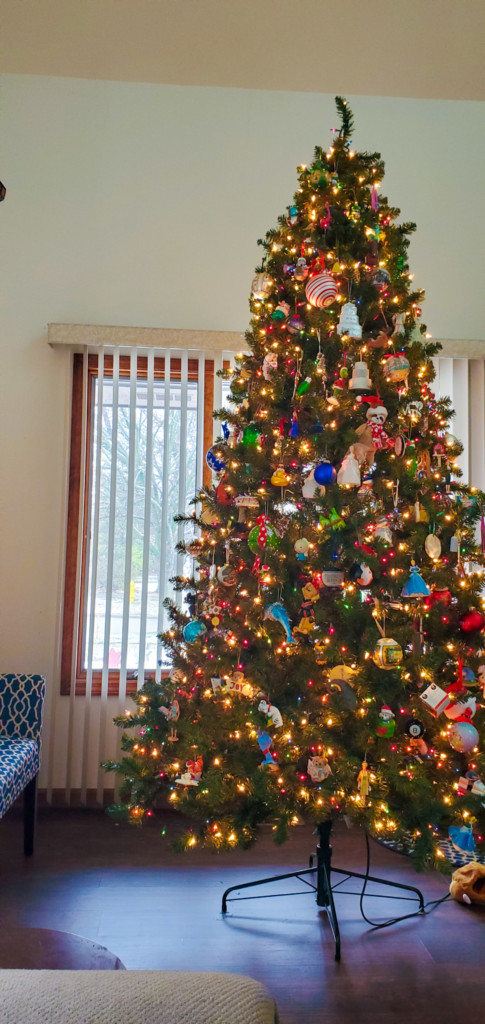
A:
[141,205]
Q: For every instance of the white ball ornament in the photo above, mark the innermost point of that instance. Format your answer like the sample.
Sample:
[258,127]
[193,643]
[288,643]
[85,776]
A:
[227,575]
[321,290]
[397,368]
[432,546]
[261,286]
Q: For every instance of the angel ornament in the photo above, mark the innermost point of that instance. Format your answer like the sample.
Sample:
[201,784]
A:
[363,783]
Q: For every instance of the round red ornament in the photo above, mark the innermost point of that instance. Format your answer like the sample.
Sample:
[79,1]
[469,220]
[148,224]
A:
[472,621]
[436,596]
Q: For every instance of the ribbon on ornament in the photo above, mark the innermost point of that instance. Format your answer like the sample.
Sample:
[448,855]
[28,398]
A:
[262,532]
[379,615]
[258,569]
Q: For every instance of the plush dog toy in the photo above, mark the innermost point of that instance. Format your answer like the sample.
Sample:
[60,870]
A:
[468,883]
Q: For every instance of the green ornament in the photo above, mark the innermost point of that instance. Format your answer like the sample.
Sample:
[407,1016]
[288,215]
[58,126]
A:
[303,387]
[250,435]
[333,522]
[318,178]
[272,539]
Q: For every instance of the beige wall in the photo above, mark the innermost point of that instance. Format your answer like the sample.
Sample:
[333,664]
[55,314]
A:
[141,205]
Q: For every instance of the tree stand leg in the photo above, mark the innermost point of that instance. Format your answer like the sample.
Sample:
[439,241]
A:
[324,883]
[323,887]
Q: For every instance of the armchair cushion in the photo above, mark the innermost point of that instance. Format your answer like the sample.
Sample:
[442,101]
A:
[19,763]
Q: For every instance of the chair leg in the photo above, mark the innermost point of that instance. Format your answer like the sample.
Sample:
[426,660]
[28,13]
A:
[30,807]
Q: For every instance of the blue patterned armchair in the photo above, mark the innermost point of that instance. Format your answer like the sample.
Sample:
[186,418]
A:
[21,704]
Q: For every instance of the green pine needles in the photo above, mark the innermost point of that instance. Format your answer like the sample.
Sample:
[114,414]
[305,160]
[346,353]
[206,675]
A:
[346,117]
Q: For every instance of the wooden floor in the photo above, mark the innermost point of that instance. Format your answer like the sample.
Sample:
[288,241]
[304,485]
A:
[123,888]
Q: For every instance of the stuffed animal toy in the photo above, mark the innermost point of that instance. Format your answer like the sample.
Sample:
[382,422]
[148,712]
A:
[371,436]
[468,883]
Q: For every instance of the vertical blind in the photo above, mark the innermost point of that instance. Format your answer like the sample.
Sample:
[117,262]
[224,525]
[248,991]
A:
[463,381]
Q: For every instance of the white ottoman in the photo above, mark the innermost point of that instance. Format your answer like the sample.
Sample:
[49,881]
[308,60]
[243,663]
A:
[133,997]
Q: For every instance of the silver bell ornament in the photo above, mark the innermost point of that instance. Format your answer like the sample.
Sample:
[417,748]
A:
[349,321]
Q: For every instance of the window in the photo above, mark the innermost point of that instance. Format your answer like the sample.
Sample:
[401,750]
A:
[140,427]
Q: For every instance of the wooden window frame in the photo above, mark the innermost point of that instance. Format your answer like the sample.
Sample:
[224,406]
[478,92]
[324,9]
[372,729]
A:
[73,619]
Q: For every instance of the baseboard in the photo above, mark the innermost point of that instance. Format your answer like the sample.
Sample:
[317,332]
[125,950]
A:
[75,798]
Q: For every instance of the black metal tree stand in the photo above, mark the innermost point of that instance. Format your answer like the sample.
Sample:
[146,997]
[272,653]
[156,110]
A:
[323,885]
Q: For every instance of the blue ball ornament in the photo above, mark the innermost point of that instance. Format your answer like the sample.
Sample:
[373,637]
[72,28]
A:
[193,630]
[214,460]
[325,473]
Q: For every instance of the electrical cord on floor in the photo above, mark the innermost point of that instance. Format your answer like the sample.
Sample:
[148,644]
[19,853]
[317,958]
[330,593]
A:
[393,920]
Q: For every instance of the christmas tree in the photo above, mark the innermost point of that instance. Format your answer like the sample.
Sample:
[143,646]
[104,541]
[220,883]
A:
[328,662]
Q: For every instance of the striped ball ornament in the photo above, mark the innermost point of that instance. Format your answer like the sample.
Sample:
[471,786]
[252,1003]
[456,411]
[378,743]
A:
[321,290]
